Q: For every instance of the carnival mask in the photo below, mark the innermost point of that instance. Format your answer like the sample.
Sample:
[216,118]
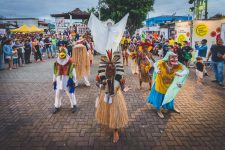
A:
[173,60]
[110,70]
[62,54]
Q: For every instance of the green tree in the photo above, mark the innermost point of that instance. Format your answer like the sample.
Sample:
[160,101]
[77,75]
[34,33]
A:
[116,9]
[93,10]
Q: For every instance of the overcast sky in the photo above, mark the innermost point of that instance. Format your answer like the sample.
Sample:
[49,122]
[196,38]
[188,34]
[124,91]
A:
[43,8]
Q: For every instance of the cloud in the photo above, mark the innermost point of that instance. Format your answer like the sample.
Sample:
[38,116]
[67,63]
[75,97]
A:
[40,8]
[43,8]
[181,7]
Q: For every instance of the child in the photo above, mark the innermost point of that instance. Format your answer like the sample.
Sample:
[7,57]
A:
[15,58]
[160,51]
[199,70]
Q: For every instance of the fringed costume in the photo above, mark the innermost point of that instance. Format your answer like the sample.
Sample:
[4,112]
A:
[82,63]
[133,59]
[145,63]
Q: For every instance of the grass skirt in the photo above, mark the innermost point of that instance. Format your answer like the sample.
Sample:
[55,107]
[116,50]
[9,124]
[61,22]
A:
[113,115]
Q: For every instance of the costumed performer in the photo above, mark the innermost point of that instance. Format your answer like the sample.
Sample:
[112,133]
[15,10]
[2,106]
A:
[125,54]
[64,80]
[133,57]
[82,62]
[145,63]
[111,106]
[169,76]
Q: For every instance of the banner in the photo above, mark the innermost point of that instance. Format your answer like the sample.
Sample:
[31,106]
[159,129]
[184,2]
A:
[2,31]
[183,31]
[60,22]
[223,32]
[106,35]
[206,29]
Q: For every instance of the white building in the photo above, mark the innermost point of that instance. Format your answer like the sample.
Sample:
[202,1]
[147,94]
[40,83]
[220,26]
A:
[20,21]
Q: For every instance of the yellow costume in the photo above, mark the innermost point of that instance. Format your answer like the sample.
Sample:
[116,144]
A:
[165,78]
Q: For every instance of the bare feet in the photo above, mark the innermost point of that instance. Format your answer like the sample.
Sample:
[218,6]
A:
[160,114]
[116,137]
[176,110]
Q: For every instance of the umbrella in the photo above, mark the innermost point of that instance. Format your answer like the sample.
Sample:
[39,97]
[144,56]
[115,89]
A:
[23,29]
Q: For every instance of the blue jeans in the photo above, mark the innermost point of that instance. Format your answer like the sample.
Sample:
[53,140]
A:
[49,51]
[218,68]
[1,61]
[54,49]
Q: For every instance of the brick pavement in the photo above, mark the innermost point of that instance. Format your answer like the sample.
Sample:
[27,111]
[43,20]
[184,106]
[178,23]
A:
[26,121]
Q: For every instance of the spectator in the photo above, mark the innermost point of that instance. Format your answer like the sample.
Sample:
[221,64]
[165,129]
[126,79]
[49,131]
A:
[180,53]
[171,41]
[27,48]
[65,41]
[70,47]
[48,47]
[187,53]
[42,47]
[36,50]
[15,57]
[1,54]
[165,48]
[199,69]
[77,37]
[20,54]
[60,42]
[218,56]
[202,49]
[54,43]
[175,47]
[8,52]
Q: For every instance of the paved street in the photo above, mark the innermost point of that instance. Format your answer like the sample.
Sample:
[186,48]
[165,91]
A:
[26,121]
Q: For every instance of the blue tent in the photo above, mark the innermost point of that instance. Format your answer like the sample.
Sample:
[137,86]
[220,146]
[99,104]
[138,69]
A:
[163,19]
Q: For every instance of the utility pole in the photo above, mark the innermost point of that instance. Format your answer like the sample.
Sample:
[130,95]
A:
[99,9]
[206,9]
[199,7]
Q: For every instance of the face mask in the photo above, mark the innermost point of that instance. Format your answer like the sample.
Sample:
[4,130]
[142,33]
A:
[173,60]
[62,55]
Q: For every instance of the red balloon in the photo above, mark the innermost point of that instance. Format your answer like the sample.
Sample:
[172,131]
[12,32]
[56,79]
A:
[213,34]
[218,30]
[188,34]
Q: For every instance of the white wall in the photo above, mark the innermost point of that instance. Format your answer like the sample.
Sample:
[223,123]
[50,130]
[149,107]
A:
[20,22]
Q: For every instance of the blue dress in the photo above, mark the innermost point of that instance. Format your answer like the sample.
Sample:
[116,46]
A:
[155,98]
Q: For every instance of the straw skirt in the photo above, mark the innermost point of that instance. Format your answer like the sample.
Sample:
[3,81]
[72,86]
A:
[113,115]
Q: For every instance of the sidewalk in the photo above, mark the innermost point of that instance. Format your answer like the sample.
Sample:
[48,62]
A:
[26,121]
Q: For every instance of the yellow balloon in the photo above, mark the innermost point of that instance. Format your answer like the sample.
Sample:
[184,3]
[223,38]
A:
[201,29]
[181,38]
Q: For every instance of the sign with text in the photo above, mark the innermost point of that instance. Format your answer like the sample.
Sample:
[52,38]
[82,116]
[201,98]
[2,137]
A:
[60,22]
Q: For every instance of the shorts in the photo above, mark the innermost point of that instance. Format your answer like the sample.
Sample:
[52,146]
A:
[199,74]
[8,59]
[15,61]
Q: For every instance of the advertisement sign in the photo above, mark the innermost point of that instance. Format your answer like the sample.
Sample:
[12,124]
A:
[206,29]
[60,22]
[223,32]
[164,32]
[2,31]
[183,31]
